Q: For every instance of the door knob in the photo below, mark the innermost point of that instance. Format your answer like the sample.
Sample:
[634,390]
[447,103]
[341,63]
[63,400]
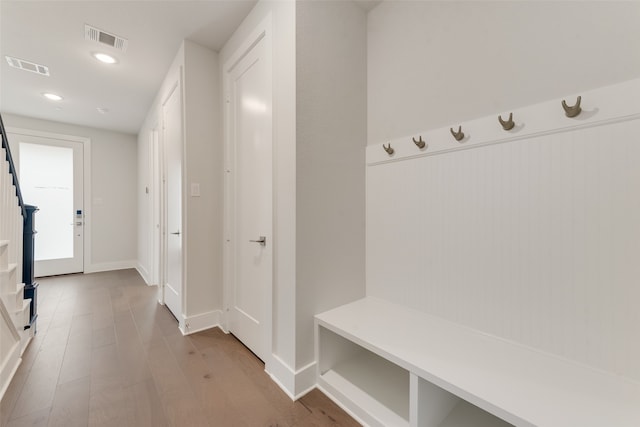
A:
[262,240]
[176,233]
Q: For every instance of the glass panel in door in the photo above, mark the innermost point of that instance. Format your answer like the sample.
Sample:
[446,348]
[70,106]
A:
[50,172]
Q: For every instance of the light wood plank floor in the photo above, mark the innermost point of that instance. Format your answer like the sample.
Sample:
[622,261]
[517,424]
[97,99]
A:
[106,354]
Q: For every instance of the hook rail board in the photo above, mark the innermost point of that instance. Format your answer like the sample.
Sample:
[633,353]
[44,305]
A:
[535,241]
[615,103]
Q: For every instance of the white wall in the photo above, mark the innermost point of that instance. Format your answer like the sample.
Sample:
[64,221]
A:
[529,240]
[282,13]
[152,122]
[203,165]
[114,181]
[331,75]
[319,105]
[435,63]
[197,68]
[533,240]
[145,218]
[319,110]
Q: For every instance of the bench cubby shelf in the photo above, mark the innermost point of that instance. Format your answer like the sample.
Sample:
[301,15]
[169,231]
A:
[389,365]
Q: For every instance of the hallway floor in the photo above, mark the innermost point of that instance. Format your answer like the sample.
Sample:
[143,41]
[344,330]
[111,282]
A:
[106,354]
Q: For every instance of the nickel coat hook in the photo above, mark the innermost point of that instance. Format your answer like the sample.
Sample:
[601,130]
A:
[388,149]
[459,136]
[507,125]
[572,111]
[419,143]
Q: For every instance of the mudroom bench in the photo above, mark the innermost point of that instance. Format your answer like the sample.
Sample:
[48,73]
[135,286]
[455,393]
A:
[393,366]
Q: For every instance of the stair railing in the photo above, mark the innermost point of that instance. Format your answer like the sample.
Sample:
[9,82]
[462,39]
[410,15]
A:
[12,168]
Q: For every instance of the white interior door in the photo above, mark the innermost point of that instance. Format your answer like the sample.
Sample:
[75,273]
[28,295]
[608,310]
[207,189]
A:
[51,177]
[172,141]
[250,146]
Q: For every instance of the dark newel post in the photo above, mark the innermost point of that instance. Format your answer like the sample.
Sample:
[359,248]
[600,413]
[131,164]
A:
[28,259]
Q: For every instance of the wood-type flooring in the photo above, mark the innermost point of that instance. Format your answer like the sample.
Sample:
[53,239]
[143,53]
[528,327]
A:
[107,354]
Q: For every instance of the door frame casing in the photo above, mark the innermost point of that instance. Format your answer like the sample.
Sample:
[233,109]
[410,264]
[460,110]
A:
[87,264]
[156,174]
[175,85]
[262,32]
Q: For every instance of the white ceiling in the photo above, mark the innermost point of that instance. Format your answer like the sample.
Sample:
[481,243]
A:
[51,33]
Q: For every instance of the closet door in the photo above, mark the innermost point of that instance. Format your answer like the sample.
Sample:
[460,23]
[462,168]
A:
[250,197]
[172,140]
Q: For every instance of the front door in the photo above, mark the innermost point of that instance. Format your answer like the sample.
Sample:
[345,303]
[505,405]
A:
[172,141]
[250,197]
[51,177]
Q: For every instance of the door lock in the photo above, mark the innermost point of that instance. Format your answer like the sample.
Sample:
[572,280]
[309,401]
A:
[262,240]
[176,233]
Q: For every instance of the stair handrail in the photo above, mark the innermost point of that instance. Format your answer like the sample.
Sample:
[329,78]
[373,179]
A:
[12,168]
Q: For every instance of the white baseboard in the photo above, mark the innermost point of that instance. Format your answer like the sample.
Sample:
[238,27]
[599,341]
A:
[144,274]
[200,322]
[294,383]
[109,266]
[305,379]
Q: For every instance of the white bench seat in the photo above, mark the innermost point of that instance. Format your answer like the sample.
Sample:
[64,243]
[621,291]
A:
[520,385]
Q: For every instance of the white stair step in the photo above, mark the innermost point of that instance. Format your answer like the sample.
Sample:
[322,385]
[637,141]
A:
[8,270]
[8,279]
[21,316]
[13,300]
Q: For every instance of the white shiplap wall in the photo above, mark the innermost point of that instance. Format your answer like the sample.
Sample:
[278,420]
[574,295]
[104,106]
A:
[536,240]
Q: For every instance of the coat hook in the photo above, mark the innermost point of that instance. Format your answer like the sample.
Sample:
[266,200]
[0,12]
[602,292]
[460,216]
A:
[459,136]
[388,149]
[573,110]
[507,125]
[419,143]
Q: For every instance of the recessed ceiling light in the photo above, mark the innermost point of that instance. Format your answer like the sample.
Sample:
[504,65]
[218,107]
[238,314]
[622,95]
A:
[52,96]
[102,110]
[103,57]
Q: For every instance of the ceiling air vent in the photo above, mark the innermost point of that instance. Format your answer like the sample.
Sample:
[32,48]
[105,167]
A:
[28,66]
[97,35]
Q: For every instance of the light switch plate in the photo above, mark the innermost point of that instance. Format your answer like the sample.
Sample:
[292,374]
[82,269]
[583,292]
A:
[195,189]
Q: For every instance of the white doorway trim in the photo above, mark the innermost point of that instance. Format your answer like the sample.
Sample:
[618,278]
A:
[176,87]
[262,32]
[88,201]
[155,206]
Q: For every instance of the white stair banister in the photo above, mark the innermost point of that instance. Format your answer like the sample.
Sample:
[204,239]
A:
[14,309]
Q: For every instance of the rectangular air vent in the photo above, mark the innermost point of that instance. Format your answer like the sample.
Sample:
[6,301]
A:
[100,36]
[21,64]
